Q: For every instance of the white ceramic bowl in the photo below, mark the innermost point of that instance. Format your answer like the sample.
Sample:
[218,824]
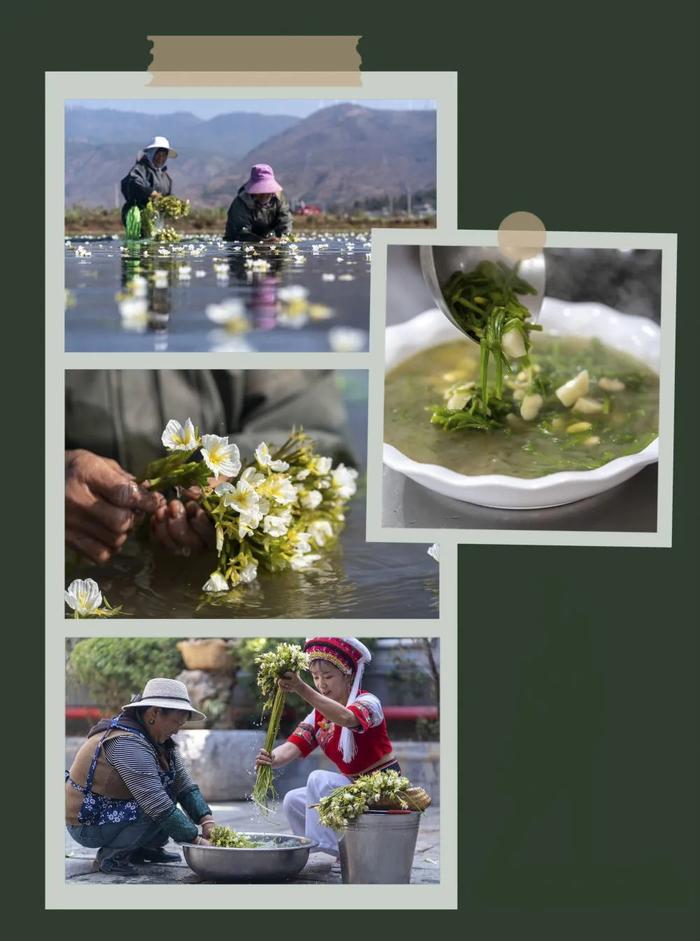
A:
[635,335]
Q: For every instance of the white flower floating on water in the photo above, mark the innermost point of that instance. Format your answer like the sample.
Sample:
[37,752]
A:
[434,552]
[231,313]
[222,458]
[276,511]
[84,598]
[347,339]
[139,286]
[293,293]
[134,313]
[215,582]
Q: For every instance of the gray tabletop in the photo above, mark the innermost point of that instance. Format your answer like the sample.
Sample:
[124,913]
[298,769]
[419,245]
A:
[629,282]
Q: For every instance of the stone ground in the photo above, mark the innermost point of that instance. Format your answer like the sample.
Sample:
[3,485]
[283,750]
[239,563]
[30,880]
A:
[320,869]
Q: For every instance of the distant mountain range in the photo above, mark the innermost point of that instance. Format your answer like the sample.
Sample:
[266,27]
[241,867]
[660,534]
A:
[337,157]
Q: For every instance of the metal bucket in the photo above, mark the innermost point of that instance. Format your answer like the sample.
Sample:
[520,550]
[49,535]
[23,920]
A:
[378,848]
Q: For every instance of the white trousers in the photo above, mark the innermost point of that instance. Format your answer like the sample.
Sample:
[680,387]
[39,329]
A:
[303,818]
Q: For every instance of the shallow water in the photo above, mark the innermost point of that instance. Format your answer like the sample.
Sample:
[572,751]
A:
[228,301]
[358,579]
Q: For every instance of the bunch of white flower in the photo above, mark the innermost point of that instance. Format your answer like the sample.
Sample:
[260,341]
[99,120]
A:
[285,658]
[277,511]
[345,804]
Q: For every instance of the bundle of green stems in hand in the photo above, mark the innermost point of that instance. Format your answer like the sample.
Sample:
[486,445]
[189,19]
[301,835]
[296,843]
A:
[286,658]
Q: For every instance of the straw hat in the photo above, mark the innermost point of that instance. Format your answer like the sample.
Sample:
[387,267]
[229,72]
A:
[161,143]
[167,694]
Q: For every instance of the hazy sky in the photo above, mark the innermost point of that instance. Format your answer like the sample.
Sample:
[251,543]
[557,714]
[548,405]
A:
[208,108]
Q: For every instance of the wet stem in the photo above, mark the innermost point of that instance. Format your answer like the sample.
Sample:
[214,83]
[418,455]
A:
[263,789]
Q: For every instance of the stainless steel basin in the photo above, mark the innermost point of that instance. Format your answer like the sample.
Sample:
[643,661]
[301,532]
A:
[281,856]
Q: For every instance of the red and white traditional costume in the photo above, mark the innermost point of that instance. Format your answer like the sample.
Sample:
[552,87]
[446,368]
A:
[352,750]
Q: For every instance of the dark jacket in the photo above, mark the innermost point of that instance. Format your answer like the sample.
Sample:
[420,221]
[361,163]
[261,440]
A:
[141,181]
[121,413]
[247,221]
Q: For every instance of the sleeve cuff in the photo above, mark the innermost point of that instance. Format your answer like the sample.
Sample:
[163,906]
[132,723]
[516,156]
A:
[363,716]
[304,739]
[194,804]
[178,826]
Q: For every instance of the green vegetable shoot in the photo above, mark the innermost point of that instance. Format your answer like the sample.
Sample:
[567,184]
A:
[159,211]
[484,302]
[226,837]
[286,658]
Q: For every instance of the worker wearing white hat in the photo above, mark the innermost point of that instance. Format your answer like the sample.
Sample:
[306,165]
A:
[149,177]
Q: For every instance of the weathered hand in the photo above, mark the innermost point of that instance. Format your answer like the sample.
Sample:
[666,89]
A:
[207,828]
[182,525]
[103,501]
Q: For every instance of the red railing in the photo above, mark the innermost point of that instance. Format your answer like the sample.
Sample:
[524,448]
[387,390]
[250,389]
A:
[394,713]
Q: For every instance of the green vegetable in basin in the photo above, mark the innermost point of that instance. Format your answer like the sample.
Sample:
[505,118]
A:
[225,836]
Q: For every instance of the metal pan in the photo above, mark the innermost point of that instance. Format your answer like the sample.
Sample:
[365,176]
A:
[281,857]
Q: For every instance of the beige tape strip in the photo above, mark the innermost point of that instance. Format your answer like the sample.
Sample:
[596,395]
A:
[522,235]
[255,60]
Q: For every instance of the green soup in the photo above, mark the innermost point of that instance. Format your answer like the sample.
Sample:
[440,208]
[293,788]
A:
[627,425]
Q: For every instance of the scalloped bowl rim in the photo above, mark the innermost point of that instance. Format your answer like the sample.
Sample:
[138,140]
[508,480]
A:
[464,487]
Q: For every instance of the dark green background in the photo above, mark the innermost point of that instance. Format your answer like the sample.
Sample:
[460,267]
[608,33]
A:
[578,679]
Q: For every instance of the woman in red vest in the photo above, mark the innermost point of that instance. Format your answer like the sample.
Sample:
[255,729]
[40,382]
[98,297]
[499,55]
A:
[345,721]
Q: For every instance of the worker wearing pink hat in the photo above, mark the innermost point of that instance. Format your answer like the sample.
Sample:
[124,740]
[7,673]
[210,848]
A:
[260,209]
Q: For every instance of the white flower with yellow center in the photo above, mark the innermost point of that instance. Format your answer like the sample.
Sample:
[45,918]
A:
[301,562]
[300,542]
[222,459]
[347,339]
[311,499]
[253,476]
[321,466]
[247,574]
[83,596]
[344,481]
[275,525]
[177,437]
[320,531]
[247,502]
[215,582]
[264,458]
[279,489]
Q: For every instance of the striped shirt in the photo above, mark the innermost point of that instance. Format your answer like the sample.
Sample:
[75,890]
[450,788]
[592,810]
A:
[136,763]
